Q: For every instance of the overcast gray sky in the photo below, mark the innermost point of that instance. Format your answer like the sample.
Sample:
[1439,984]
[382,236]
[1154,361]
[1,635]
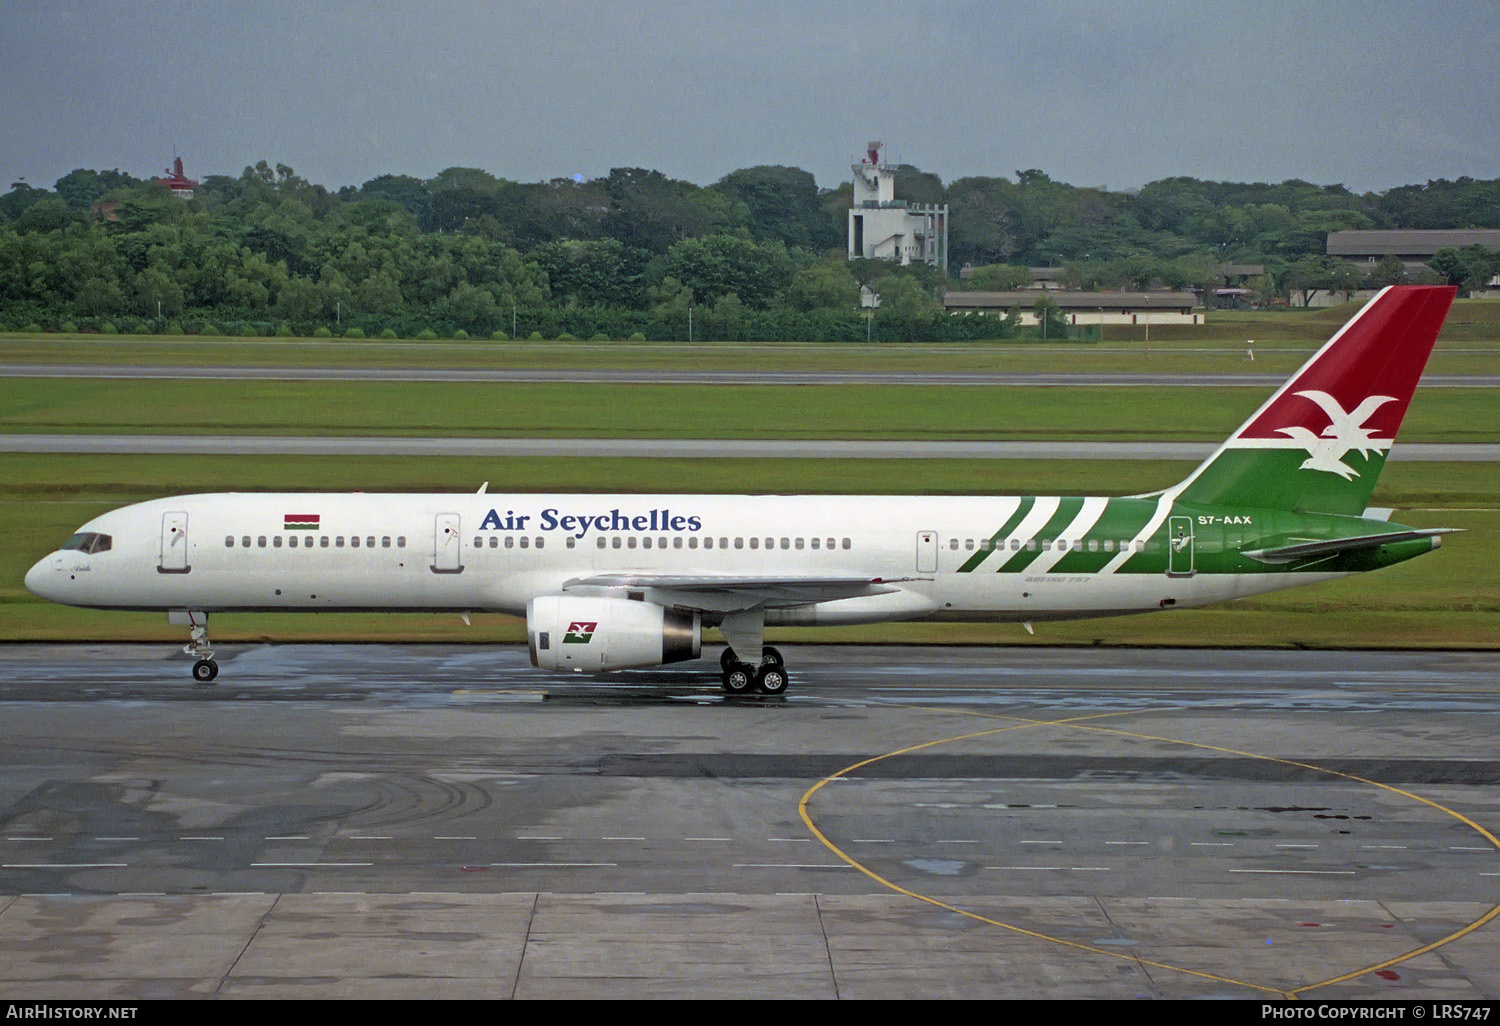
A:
[1370,94]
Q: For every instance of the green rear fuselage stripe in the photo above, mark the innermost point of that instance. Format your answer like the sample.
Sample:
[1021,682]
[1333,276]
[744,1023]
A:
[1022,508]
[1122,521]
[1067,509]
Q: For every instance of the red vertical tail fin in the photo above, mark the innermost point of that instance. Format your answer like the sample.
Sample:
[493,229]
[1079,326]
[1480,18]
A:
[1320,442]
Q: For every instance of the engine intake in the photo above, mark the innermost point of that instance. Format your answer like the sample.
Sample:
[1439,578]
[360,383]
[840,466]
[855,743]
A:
[567,632]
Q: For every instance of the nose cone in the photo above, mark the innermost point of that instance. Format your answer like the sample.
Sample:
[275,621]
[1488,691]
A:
[41,578]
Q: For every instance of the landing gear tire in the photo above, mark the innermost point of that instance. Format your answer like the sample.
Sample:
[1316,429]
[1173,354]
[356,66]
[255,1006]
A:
[768,657]
[770,679]
[739,679]
[205,670]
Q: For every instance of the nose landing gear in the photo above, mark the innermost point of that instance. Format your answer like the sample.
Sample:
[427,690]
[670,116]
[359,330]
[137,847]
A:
[205,669]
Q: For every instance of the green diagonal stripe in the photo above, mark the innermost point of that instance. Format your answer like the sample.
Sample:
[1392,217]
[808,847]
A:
[1067,509]
[1122,520]
[1022,509]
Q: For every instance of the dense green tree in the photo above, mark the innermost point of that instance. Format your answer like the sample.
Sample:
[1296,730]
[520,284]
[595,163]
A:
[650,211]
[783,204]
[717,265]
[1469,268]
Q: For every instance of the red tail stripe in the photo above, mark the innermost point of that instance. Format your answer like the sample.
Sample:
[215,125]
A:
[1381,352]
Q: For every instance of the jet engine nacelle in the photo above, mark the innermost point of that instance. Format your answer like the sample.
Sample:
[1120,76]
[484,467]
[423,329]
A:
[566,632]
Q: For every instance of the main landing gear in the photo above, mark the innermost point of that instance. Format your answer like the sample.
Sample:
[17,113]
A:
[769,678]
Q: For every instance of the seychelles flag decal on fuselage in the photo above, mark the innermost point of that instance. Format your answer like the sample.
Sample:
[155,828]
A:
[301,522]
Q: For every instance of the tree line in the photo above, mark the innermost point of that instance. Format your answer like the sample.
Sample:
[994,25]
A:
[757,255]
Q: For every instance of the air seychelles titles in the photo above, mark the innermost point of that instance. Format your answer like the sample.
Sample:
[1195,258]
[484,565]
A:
[579,524]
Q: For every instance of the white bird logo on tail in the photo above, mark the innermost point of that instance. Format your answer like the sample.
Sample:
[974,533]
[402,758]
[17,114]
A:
[1345,433]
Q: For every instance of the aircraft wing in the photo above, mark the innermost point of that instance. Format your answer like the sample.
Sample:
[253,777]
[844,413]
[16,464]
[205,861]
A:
[1334,546]
[724,591]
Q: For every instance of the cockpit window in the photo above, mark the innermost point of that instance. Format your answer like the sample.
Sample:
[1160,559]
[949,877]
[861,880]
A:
[89,541]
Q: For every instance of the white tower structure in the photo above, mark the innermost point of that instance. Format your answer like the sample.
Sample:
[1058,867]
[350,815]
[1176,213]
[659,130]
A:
[881,227]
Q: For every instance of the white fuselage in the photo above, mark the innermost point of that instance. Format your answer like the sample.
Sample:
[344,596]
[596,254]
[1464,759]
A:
[299,551]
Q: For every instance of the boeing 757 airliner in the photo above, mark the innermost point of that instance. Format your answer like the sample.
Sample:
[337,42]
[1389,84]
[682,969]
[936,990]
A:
[609,582]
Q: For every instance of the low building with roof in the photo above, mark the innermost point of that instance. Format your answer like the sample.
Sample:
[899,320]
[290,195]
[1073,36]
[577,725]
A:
[1413,247]
[1082,308]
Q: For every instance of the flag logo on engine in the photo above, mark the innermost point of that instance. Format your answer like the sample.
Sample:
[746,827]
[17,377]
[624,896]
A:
[580,632]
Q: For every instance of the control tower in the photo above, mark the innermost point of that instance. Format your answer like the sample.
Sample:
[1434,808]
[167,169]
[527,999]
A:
[881,227]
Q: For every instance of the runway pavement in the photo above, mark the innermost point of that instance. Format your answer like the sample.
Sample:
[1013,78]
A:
[677,448]
[412,821]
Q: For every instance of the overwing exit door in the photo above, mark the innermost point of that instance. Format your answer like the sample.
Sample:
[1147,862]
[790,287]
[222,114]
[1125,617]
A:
[927,548]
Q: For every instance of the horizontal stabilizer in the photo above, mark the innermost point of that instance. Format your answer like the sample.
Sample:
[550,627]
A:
[1334,546]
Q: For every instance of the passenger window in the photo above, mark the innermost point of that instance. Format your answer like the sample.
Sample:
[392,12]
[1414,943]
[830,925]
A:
[370,541]
[846,543]
[754,543]
[770,543]
[385,542]
[799,543]
[539,542]
[323,542]
[525,542]
[832,543]
[645,543]
[739,543]
[572,542]
[354,541]
[478,542]
[693,542]
[260,542]
[953,544]
[229,542]
[616,542]
[786,543]
[510,542]
[661,543]
[630,543]
[601,541]
[401,541]
[276,541]
[815,543]
[677,542]
[723,543]
[245,542]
